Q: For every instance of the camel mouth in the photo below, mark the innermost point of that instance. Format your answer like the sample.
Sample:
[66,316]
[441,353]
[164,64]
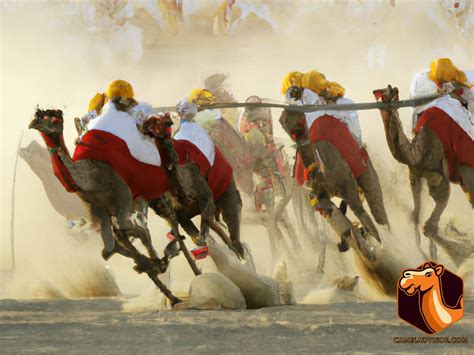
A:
[410,290]
[34,124]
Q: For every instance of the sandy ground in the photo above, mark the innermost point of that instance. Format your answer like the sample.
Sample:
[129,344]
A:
[99,326]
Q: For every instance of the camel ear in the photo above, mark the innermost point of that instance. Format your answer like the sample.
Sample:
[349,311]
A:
[439,270]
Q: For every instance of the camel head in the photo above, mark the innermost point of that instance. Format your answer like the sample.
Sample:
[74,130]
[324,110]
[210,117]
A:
[159,126]
[294,123]
[49,122]
[386,95]
[421,280]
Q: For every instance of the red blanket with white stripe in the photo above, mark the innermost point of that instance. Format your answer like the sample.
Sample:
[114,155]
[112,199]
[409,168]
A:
[144,180]
[218,176]
[458,146]
[330,129]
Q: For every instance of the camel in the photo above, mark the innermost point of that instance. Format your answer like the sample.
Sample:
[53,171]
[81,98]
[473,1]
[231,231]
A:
[66,204]
[427,282]
[425,158]
[241,155]
[188,170]
[106,195]
[330,175]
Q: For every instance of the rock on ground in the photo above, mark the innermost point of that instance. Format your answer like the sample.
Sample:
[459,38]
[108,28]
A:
[214,291]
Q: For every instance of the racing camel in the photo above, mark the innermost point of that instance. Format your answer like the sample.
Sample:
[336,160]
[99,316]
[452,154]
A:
[426,158]
[331,175]
[199,188]
[106,194]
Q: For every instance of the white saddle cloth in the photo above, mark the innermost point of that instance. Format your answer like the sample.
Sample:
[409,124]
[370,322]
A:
[422,85]
[455,110]
[192,132]
[123,125]
[349,118]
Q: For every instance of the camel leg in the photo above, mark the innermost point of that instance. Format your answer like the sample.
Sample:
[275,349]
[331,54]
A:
[415,184]
[439,191]
[129,229]
[106,232]
[336,219]
[350,194]
[230,204]
[162,287]
[467,177]
[281,215]
[162,206]
[205,202]
[369,183]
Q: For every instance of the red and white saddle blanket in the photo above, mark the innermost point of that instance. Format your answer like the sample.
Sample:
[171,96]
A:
[458,144]
[218,176]
[114,139]
[330,129]
[144,180]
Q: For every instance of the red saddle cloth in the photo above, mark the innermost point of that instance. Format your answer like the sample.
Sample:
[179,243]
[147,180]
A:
[59,169]
[144,180]
[458,146]
[218,176]
[328,128]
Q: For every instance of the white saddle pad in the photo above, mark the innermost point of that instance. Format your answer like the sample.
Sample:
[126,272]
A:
[349,118]
[123,125]
[455,110]
[194,133]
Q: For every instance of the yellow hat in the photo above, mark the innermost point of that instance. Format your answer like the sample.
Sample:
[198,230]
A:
[97,102]
[312,80]
[443,70]
[120,88]
[202,97]
[334,89]
[294,78]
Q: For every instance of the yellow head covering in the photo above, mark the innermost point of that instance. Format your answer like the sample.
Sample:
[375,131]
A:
[312,80]
[97,102]
[202,97]
[443,70]
[294,78]
[334,89]
[120,88]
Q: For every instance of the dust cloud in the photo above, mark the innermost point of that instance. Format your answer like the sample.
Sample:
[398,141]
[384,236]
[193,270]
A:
[50,60]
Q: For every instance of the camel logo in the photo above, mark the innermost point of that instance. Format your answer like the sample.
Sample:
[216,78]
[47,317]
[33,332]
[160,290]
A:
[430,297]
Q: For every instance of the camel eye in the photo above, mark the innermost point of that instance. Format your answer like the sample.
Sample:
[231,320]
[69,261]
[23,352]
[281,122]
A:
[428,274]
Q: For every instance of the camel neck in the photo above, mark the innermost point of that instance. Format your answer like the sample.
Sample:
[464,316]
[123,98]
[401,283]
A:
[436,314]
[53,142]
[167,151]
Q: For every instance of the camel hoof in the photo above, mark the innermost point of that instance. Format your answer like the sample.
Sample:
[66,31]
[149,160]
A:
[147,265]
[107,254]
[343,246]
[175,301]
[199,240]
[172,249]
